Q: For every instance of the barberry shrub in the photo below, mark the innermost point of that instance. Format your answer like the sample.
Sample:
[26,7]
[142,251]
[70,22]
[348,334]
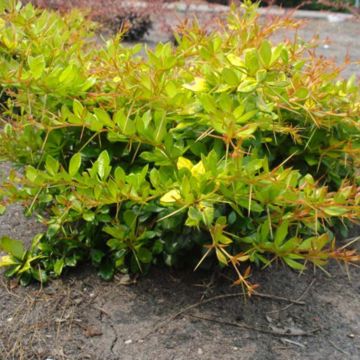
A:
[226,148]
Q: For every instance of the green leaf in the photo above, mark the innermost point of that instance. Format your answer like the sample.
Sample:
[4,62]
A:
[281,233]
[78,109]
[39,275]
[106,270]
[12,247]
[104,117]
[103,162]
[144,255]
[301,93]
[130,218]
[335,211]
[58,266]
[68,74]
[96,256]
[31,173]
[221,257]
[75,163]
[294,264]
[230,77]
[88,216]
[246,117]
[2,209]
[52,230]
[51,165]
[126,125]
[247,86]
[265,53]
[36,65]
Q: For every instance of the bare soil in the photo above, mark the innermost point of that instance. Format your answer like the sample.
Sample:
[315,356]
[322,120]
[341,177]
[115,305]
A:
[83,317]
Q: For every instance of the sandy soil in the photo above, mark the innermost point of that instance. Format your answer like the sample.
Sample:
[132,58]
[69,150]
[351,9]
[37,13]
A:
[82,317]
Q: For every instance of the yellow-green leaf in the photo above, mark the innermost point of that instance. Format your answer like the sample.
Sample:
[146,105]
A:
[7,260]
[171,196]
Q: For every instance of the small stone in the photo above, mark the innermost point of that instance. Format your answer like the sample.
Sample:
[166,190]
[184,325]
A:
[78,301]
[93,331]
[200,351]
[127,342]
[9,319]
[125,280]
[351,336]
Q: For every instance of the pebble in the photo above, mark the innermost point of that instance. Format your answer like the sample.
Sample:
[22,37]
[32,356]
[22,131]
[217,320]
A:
[127,342]
[200,351]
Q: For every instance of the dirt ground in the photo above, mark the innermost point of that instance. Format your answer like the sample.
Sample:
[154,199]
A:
[308,316]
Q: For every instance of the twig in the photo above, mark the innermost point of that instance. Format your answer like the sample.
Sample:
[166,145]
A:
[218,297]
[5,286]
[338,349]
[102,310]
[249,327]
[284,340]
[298,299]
[280,298]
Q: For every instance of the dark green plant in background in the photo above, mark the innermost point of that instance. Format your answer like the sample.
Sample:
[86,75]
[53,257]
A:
[227,147]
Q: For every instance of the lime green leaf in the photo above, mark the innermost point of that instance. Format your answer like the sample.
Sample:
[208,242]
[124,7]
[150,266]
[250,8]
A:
[265,53]
[78,108]
[51,165]
[335,211]
[88,216]
[301,93]
[126,125]
[36,65]
[103,164]
[75,163]
[12,247]
[281,233]
[103,117]
[247,86]
[230,77]
[221,257]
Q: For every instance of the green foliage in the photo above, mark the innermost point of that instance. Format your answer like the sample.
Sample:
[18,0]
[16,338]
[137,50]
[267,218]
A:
[227,147]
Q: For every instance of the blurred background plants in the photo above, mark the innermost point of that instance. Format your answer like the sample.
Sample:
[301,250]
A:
[226,149]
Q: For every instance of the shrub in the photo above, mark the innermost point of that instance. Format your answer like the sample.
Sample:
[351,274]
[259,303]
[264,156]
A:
[226,147]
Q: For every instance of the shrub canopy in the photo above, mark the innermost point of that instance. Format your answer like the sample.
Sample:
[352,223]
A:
[225,147]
